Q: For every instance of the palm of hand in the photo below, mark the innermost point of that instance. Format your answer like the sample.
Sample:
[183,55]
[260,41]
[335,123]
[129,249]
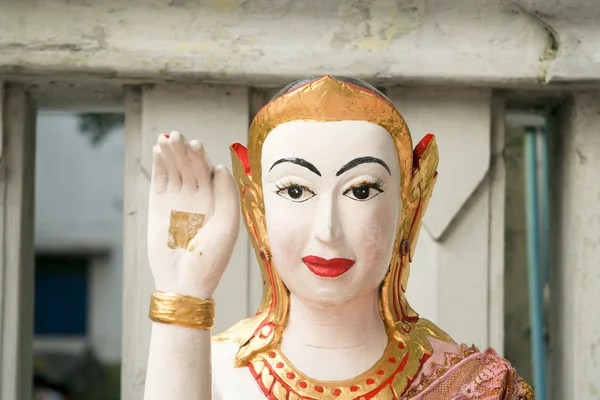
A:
[184,181]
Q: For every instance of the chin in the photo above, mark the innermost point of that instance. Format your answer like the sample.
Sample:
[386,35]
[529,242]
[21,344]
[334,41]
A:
[319,294]
[321,298]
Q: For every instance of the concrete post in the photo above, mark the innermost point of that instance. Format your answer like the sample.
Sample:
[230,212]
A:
[575,275]
[17,168]
[218,116]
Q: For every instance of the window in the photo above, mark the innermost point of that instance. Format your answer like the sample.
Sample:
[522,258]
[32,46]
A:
[61,295]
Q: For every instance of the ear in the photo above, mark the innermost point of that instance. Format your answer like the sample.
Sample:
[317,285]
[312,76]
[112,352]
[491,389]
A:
[425,163]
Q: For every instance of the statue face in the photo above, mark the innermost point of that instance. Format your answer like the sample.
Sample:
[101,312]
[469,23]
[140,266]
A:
[332,199]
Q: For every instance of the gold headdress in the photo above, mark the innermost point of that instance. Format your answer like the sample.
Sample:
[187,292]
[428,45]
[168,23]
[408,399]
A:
[332,99]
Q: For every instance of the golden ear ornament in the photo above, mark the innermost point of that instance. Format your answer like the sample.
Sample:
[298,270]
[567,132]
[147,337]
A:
[329,99]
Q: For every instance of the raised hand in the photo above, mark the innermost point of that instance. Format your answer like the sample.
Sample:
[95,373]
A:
[193,218]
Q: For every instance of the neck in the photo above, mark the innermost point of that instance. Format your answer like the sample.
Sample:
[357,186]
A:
[357,323]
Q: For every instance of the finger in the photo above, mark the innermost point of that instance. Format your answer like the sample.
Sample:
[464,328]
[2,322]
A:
[201,165]
[160,177]
[227,202]
[169,158]
[182,161]
[222,230]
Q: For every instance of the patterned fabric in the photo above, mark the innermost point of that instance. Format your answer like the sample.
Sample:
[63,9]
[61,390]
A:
[471,374]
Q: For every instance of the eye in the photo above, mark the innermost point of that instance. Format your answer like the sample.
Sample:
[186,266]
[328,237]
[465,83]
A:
[364,191]
[294,192]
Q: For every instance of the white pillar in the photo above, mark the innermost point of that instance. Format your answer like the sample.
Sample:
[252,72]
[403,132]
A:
[575,279]
[461,244]
[17,168]
[218,116]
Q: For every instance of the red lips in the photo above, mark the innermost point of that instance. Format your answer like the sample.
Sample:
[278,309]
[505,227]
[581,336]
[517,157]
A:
[328,268]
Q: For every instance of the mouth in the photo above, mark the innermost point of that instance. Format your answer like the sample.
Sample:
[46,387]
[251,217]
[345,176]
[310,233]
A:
[328,268]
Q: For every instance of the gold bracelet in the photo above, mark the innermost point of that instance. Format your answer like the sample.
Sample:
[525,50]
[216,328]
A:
[181,310]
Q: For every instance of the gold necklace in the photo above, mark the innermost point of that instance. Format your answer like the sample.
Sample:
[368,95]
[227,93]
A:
[389,378]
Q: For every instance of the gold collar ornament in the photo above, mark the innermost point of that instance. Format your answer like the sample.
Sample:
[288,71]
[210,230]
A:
[336,99]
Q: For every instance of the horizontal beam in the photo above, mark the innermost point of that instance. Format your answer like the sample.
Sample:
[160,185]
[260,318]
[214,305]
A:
[268,43]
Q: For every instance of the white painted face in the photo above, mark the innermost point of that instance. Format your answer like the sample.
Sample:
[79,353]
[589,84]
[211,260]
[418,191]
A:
[332,201]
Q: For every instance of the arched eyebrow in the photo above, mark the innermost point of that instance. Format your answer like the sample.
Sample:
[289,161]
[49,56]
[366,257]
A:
[298,161]
[362,160]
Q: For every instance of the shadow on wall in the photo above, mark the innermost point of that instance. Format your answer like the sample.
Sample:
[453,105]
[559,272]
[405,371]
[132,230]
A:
[517,322]
[516,311]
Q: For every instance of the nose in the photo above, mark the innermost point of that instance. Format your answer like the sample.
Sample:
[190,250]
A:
[327,228]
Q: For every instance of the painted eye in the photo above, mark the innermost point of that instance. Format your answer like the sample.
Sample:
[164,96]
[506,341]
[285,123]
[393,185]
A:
[296,193]
[363,191]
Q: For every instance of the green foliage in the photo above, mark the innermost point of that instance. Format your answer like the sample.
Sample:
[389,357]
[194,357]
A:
[99,125]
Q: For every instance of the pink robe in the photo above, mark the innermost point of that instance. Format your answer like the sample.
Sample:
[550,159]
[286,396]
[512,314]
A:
[470,374]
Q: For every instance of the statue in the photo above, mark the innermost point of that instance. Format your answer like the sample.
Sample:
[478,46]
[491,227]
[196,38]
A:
[333,196]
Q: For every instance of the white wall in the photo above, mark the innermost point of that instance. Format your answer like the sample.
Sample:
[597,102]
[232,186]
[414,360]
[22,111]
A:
[279,40]
[450,272]
[79,195]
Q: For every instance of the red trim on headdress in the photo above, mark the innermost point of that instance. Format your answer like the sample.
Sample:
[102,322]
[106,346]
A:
[420,149]
[242,152]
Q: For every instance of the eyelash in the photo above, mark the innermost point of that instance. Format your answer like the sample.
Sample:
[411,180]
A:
[376,185]
[288,184]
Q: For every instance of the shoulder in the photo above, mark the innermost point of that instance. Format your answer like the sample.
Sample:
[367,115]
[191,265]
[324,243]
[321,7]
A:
[222,354]
[468,374]
[222,357]
[499,374]
[229,382]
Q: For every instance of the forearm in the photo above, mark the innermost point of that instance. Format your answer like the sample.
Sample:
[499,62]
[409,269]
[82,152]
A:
[179,364]
[193,223]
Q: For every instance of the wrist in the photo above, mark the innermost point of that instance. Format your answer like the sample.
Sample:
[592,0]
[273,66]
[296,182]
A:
[182,310]
[185,290]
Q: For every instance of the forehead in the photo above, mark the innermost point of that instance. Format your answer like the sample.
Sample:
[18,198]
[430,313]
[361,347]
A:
[326,143]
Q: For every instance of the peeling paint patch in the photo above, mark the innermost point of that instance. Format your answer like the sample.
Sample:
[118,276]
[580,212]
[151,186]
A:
[174,64]
[267,8]
[185,3]
[35,46]
[581,157]
[552,47]
[219,32]
[224,6]
[373,25]
[100,36]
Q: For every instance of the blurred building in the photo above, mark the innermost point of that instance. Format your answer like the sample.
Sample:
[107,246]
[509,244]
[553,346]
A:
[79,206]
[455,68]
[78,250]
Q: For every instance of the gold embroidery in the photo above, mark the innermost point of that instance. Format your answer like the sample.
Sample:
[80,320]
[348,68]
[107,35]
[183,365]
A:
[183,226]
[527,390]
[478,374]
[438,370]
